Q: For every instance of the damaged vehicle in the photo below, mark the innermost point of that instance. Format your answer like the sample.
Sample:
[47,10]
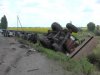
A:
[60,39]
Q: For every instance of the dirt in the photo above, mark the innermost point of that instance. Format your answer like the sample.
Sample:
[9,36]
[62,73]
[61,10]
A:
[87,49]
[18,59]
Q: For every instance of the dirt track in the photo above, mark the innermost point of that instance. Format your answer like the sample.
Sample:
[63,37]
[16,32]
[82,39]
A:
[16,61]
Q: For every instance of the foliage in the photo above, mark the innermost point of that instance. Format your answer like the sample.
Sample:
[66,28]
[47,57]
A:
[0,25]
[97,27]
[78,67]
[97,32]
[91,26]
[4,22]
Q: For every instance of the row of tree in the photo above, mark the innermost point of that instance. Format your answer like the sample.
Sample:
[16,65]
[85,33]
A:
[3,23]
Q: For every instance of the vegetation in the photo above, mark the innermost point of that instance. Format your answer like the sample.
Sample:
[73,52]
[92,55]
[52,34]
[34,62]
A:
[91,26]
[97,28]
[77,67]
[94,58]
[85,66]
[97,32]
[4,23]
[31,29]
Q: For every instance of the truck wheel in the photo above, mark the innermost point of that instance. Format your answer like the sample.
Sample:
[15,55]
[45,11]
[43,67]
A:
[72,27]
[56,27]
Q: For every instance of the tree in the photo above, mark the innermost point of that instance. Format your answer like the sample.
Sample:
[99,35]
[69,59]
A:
[91,26]
[97,27]
[4,23]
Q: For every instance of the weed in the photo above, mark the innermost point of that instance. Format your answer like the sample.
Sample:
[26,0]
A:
[94,58]
[76,66]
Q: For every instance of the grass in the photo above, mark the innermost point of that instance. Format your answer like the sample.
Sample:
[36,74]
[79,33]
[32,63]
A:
[94,58]
[78,67]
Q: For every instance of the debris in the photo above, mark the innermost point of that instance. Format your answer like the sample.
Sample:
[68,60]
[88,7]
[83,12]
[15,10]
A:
[30,51]
[60,39]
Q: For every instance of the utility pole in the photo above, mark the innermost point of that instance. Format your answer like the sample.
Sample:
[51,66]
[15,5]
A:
[18,21]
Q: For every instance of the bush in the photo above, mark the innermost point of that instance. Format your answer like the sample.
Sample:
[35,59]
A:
[97,33]
[97,27]
[91,26]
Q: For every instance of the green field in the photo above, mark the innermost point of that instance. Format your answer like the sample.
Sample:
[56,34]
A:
[31,29]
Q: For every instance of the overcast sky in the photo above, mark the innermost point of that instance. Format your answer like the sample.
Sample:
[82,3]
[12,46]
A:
[42,13]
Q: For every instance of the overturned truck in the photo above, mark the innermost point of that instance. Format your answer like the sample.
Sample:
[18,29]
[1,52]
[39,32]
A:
[60,39]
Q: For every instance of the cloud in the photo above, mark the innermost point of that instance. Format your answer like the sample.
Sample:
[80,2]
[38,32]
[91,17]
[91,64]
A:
[44,12]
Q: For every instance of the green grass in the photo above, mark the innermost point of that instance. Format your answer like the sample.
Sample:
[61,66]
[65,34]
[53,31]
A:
[78,67]
[94,58]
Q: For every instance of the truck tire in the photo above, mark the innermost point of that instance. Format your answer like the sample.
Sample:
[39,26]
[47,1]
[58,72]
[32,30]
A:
[56,26]
[72,27]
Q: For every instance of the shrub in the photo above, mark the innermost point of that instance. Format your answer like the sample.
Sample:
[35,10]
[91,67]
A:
[97,27]
[97,32]
[91,26]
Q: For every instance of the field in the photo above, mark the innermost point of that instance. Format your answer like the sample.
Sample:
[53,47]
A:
[31,29]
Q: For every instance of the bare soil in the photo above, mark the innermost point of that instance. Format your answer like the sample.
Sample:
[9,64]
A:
[87,49]
[17,59]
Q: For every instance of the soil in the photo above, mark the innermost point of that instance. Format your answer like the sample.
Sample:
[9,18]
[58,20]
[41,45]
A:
[19,59]
[87,49]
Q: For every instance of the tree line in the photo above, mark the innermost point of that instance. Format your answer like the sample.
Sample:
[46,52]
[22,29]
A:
[3,23]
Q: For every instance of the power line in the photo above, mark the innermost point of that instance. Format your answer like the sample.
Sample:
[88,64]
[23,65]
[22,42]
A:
[19,22]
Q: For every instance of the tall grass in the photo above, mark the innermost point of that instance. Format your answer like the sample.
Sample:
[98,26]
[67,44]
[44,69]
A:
[77,67]
[94,58]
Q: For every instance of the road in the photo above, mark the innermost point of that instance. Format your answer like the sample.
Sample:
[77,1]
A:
[16,60]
